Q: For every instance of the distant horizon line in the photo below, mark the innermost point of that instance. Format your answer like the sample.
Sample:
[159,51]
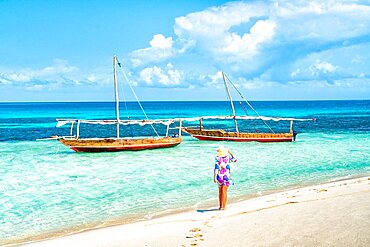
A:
[110,101]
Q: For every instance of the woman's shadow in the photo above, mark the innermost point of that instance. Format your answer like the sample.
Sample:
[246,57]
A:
[207,210]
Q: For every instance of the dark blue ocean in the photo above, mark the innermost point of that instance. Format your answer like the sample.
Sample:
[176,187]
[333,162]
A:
[46,187]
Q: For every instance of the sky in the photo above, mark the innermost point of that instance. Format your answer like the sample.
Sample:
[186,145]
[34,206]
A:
[177,50]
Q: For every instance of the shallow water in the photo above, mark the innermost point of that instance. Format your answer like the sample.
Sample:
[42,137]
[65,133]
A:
[45,187]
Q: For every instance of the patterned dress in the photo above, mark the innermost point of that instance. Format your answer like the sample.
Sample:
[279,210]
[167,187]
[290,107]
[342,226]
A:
[222,170]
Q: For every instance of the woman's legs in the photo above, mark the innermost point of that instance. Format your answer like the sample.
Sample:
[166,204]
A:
[224,196]
[220,196]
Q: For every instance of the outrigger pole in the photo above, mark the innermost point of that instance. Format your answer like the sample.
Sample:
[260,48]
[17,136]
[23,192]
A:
[231,102]
[116,93]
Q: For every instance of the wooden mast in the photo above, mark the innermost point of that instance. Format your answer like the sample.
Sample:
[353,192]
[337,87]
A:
[180,128]
[78,129]
[116,92]
[71,131]
[231,102]
[291,127]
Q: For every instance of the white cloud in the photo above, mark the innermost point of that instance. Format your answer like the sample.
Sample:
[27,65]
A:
[322,67]
[160,49]
[216,20]
[159,41]
[53,77]
[274,41]
[9,78]
[216,78]
[59,69]
[166,77]
[212,80]
[211,30]
[295,73]
[248,36]
[247,44]
[321,20]
[35,87]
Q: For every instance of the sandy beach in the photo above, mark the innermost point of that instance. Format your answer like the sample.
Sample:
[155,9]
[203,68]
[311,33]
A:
[331,214]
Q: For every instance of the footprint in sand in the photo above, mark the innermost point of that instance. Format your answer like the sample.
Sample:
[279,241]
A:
[207,223]
[197,235]
[196,229]
[292,202]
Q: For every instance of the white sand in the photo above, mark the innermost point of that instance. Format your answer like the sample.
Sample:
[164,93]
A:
[333,214]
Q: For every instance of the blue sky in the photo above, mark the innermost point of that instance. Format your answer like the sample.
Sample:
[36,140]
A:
[176,50]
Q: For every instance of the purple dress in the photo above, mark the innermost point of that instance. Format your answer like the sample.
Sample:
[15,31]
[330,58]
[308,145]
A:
[222,170]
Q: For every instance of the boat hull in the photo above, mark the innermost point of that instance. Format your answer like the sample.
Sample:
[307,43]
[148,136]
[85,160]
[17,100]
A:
[221,135]
[116,145]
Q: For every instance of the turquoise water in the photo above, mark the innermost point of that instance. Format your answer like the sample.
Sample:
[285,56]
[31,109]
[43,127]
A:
[46,188]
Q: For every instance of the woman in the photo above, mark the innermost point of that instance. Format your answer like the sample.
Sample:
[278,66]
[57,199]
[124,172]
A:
[222,174]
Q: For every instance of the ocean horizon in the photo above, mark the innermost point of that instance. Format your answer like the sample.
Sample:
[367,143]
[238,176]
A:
[49,189]
[134,101]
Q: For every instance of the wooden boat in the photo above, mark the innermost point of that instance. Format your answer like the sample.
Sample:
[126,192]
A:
[236,136]
[221,135]
[118,143]
[114,145]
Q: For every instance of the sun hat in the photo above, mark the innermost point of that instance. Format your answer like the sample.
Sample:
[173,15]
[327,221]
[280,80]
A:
[222,151]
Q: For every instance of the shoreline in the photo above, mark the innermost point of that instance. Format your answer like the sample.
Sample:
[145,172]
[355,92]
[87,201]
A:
[181,221]
[136,219]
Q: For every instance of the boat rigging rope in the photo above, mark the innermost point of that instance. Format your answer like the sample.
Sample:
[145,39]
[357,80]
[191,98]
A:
[246,113]
[228,107]
[245,110]
[137,99]
[124,100]
[246,101]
